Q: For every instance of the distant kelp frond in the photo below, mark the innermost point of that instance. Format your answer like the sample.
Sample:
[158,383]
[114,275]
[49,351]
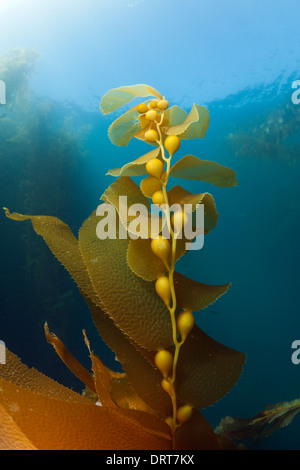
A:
[268,135]
[15,69]
[260,426]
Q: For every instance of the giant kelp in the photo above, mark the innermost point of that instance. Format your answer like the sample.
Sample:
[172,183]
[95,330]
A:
[143,309]
[42,152]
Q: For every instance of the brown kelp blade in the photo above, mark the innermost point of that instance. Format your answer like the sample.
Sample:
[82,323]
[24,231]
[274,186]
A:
[193,168]
[132,302]
[207,370]
[144,378]
[136,167]
[196,434]
[64,245]
[133,209]
[179,195]
[193,295]
[117,97]
[194,126]
[144,263]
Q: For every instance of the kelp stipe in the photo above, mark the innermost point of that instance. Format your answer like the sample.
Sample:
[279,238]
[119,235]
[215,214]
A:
[141,306]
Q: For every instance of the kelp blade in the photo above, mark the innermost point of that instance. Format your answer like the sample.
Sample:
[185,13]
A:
[117,97]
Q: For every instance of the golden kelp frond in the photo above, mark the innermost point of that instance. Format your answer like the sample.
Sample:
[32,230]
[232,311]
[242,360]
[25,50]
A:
[123,129]
[207,370]
[131,302]
[137,167]
[136,362]
[179,195]
[145,263]
[194,126]
[262,425]
[71,362]
[117,97]
[142,225]
[193,168]
[174,116]
[57,424]
[194,296]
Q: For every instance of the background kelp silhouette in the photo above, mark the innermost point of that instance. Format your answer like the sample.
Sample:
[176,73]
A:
[141,307]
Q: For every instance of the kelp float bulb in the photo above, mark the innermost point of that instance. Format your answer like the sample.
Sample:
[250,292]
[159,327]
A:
[172,144]
[166,386]
[151,115]
[164,361]
[163,104]
[185,323]
[151,135]
[162,287]
[142,108]
[179,219]
[184,413]
[155,167]
[161,248]
[158,198]
[153,104]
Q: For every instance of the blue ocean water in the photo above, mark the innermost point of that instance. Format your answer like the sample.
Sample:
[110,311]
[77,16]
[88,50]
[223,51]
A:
[240,60]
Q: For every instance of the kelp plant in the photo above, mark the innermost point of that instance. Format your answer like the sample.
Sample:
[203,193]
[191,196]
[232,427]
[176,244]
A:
[141,306]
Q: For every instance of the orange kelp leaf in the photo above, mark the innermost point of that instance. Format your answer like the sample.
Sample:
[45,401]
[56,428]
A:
[262,425]
[207,370]
[103,378]
[136,223]
[56,424]
[194,126]
[11,436]
[145,263]
[63,245]
[179,195]
[123,129]
[195,296]
[118,97]
[71,362]
[196,434]
[19,374]
[149,185]
[124,395]
[193,168]
[132,302]
[137,167]
[142,375]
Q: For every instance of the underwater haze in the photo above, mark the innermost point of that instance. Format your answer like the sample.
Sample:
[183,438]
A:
[240,59]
